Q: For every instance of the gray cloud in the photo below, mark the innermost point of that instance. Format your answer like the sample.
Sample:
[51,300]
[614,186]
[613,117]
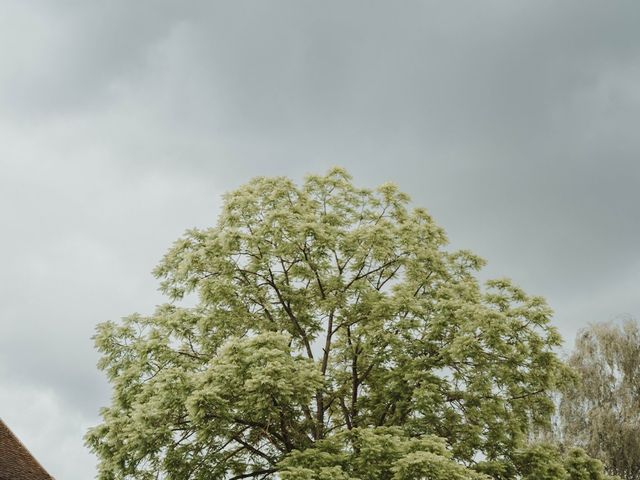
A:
[122,123]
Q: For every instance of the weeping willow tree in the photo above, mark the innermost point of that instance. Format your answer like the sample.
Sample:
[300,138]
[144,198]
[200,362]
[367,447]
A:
[335,337]
[601,410]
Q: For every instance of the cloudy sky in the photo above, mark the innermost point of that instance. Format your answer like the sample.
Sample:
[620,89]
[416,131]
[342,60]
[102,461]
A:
[121,123]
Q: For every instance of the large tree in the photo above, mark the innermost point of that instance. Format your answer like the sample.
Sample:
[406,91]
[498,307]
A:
[601,410]
[334,336]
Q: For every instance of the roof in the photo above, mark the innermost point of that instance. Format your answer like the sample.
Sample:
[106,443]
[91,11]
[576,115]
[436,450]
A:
[16,463]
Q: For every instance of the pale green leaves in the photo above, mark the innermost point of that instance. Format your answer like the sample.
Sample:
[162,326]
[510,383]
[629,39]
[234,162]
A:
[257,383]
[376,453]
[327,316]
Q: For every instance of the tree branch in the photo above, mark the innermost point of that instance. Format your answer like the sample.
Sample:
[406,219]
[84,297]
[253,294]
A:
[255,473]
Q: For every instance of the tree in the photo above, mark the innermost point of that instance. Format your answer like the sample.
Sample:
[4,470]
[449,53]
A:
[601,410]
[334,336]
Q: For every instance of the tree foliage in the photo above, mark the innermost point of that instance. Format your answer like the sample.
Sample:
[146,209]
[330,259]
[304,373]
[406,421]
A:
[384,453]
[334,336]
[601,410]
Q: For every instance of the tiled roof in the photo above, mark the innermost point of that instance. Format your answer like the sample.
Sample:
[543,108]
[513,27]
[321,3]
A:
[16,463]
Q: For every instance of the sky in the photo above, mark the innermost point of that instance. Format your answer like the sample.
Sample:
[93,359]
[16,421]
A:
[122,123]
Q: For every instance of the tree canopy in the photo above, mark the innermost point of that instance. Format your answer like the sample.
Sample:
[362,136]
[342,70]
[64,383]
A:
[334,336]
[601,410]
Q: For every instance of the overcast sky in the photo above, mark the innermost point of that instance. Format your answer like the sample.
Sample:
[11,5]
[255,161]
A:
[122,122]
